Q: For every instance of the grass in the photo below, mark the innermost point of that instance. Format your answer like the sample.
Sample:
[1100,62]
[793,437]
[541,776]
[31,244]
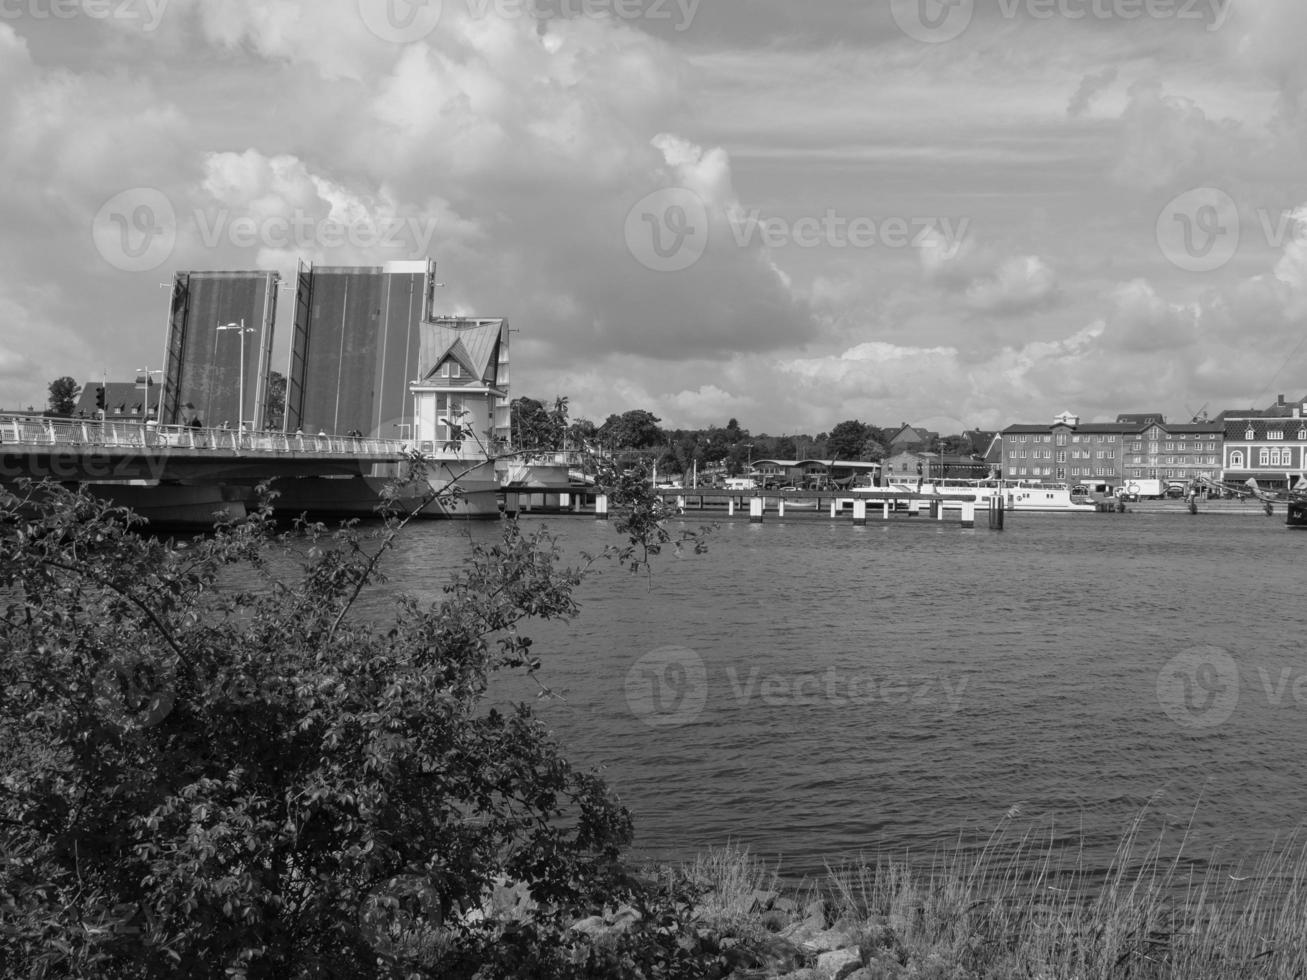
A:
[1022,905]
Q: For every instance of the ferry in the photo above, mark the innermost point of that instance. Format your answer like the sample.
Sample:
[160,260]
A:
[1016,496]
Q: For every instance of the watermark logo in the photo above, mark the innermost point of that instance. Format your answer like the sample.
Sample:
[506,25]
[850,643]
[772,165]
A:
[401,21]
[667,231]
[1199,688]
[147,13]
[136,229]
[933,21]
[667,687]
[834,230]
[135,691]
[937,21]
[679,13]
[1200,230]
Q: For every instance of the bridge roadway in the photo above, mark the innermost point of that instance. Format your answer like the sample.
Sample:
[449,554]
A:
[88,451]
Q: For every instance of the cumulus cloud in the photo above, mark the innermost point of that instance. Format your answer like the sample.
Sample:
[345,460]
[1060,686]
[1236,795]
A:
[1163,137]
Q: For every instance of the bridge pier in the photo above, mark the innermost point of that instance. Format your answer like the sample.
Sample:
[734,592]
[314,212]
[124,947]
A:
[859,513]
[755,510]
[601,507]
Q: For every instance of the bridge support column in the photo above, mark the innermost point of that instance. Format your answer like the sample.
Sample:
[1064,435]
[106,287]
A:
[885,507]
[755,510]
[859,513]
[730,506]
[968,513]
[780,507]
[937,509]
[834,509]
[601,506]
[680,503]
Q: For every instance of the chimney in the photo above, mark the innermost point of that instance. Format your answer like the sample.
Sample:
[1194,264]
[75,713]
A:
[1279,401]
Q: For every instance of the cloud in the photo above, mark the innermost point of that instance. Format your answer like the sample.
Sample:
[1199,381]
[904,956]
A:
[1090,87]
[1163,137]
[1018,285]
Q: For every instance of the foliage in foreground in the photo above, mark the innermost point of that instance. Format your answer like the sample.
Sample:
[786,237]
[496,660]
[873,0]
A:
[212,766]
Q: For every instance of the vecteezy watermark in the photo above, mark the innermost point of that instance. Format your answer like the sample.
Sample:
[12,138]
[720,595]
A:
[148,13]
[135,691]
[937,21]
[1202,229]
[679,14]
[400,21]
[667,687]
[137,230]
[407,21]
[670,230]
[842,688]
[667,231]
[1199,688]
[1199,230]
[834,230]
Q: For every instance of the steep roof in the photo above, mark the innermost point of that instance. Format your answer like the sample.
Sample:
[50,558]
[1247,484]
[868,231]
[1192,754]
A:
[472,345]
[120,398]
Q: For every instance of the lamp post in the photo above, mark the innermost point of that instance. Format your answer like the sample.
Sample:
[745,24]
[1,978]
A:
[240,406]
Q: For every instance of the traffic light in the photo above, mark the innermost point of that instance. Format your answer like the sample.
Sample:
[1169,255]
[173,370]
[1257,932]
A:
[99,397]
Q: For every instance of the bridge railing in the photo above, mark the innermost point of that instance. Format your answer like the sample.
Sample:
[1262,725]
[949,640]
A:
[30,431]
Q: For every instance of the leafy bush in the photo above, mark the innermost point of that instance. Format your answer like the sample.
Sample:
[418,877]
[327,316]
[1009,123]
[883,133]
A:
[213,766]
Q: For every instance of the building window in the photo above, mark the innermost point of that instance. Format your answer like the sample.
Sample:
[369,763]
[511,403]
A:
[1061,438]
[1061,455]
[1248,433]
[1236,460]
[1275,434]
[1264,457]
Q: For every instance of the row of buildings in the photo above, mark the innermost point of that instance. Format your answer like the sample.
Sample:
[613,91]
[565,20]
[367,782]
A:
[1268,445]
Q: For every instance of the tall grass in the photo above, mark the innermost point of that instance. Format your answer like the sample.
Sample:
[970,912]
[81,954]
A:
[1023,905]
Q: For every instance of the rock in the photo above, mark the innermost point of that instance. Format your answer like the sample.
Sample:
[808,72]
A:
[800,932]
[775,920]
[801,975]
[829,939]
[624,918]
[768,957]
[816,909]
[839,964]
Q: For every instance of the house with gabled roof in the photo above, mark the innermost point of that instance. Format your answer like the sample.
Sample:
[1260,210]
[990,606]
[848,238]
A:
[460,398]
[911,438]
[123,400]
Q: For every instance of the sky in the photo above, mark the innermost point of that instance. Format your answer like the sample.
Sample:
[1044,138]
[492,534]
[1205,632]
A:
[958,213]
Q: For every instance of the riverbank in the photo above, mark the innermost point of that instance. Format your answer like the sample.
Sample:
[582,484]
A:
[1011,910]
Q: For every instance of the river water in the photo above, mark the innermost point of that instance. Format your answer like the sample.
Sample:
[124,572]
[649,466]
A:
[822,693]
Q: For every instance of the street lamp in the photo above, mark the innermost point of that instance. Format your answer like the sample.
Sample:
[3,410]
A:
[146,373]
[240,407]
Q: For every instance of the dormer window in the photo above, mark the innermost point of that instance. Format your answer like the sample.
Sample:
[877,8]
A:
[1275,434]
[1302,433]
[1248,433]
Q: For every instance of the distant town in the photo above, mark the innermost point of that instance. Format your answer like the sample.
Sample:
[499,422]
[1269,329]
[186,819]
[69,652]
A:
[1266,444]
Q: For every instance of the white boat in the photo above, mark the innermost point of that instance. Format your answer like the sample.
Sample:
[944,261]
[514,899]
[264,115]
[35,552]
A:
[1016,496]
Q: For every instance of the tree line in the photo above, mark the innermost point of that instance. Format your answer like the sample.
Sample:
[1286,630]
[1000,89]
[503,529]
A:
[538,426]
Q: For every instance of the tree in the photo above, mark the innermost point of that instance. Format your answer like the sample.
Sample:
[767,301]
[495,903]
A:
[636,429]
[846,440]
[63,397]
[214,766]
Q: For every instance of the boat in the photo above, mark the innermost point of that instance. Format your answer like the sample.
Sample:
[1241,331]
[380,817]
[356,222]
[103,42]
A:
[1016,496]
[1293,499]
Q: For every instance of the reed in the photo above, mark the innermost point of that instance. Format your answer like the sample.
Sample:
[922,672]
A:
[1022,904]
